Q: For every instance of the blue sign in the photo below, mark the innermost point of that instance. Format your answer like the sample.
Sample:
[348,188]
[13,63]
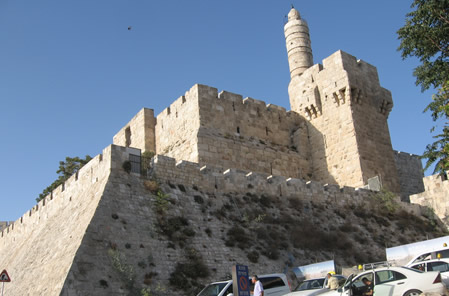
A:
[240,278]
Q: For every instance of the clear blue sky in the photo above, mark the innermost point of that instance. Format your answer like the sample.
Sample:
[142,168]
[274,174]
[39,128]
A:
[72,74]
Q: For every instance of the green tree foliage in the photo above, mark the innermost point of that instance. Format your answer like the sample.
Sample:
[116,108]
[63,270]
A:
[67,168]
[425,35]
[438,152]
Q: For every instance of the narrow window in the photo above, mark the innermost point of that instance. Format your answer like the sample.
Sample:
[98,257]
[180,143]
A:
[127,136]
[238,130]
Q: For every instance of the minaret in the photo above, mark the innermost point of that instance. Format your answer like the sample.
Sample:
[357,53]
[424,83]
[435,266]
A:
[297,40]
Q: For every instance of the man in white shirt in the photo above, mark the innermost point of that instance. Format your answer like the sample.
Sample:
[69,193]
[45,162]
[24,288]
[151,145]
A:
[258,288]
[332,282]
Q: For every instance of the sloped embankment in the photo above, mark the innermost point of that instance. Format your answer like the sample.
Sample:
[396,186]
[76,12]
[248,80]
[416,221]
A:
[158,239]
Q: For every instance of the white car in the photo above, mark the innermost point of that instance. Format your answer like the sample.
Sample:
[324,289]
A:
[443,253]
[313,286]
[392,281]
[441,265]
[273,284]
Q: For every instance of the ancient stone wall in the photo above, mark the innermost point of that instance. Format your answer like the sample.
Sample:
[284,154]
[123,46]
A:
[215,179]
[250,135]
[347,111]
[139,132]
[178,125]
[435,196]
[331,130]
[371,105]
[225,130]
[38,249]
[98,233]
[411,174]
[4,224]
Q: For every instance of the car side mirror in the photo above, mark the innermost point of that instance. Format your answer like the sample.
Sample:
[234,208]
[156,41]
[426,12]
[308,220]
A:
[340,290]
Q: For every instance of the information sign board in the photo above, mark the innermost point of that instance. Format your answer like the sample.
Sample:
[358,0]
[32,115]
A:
[240,280]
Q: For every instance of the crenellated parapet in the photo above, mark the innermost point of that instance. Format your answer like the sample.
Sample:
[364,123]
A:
[340,80]
[228,113]
[214,179]
[71,196]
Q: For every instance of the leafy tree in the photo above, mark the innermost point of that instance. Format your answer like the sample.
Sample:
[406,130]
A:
[425,35]
[438,152]
[67,168]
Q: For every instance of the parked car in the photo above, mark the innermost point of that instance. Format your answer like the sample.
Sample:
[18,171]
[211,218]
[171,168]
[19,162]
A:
[392,281]
[273,285]
[441,265]
[312,286]
[443,253]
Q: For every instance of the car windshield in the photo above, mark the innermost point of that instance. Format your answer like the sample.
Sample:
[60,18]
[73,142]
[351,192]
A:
[310,284]
[212,289]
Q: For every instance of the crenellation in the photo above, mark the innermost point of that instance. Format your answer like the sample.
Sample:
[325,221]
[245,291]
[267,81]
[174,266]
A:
[235,98]
[258,103]
[218,144]
[58,199]
[212,178]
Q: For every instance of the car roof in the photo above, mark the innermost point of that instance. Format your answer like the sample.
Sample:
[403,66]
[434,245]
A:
[314,279]
[395,268]
[281,275]
[430,260]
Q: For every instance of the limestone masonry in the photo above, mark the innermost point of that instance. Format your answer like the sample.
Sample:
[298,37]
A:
[335,133]
[331,147]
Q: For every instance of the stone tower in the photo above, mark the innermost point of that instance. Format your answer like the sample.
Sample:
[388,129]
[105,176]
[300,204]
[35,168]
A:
[347,112]
[297,39]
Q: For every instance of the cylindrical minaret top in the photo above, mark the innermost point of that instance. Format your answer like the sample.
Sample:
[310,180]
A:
[297,39]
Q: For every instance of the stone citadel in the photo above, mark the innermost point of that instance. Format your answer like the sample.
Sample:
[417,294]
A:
[332,145]
[335,133]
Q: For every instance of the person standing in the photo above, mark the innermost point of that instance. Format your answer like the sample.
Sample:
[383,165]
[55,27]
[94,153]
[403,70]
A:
[332,282]
[258,288]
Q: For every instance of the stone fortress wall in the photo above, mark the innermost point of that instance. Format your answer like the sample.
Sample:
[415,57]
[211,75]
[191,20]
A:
[347,111]
[51,239]
[335,133]
[224,129]
[333,146]
[38,249]
[435,196]
[335,138]
[250,135]
[410,173]
[139,132]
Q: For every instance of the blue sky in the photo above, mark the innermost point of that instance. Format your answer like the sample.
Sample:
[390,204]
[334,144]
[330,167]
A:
[72,74]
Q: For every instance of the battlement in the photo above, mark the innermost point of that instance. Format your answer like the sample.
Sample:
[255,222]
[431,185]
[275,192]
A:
[340,80]
[63,197]
[211,178]
[215,179]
